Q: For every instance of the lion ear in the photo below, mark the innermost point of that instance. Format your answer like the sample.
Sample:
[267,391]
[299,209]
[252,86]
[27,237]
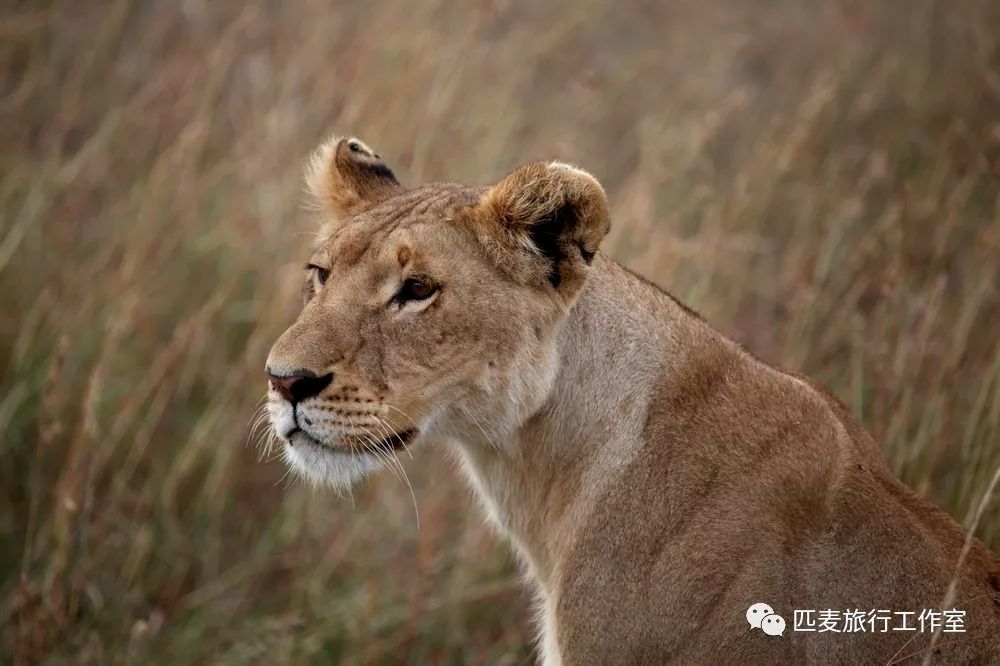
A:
[347,177]
[545,222]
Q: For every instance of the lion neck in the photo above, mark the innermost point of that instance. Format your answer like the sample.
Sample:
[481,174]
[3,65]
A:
[542,480]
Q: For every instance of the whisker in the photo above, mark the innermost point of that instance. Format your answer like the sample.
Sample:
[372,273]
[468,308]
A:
[478,425]
[413,423]
[390,433]
[269,442]
[372,445]
[258,434]
[395,462]
[405,415]
[288,470]
[257,417]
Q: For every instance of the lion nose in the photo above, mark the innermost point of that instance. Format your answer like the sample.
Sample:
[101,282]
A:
[299,385]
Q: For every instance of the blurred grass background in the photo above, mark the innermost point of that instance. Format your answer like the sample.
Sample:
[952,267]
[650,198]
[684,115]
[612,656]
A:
[820,179]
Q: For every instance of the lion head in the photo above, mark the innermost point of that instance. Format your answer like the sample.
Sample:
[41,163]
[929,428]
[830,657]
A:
[428,311]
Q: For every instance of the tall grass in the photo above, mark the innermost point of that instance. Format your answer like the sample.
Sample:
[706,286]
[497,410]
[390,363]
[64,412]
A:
[819,179]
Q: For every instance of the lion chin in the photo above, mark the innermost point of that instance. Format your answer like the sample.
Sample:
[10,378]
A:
[321,465]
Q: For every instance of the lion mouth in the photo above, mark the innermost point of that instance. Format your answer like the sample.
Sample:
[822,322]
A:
[355,444]
[395,442]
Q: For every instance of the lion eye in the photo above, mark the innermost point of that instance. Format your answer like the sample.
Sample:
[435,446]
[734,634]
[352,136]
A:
[416,289]
[321,273]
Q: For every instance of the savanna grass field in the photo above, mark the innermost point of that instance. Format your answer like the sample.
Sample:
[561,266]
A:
[821,180]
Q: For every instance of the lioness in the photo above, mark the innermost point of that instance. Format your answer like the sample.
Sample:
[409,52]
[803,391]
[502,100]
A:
[660,484]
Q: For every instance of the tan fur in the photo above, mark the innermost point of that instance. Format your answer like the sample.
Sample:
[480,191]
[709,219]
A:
[655,478]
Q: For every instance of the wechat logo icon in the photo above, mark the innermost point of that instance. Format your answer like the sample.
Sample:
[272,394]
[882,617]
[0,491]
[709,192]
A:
[761,616]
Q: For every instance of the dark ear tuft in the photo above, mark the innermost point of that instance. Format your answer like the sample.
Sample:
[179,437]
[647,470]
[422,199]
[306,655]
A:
[548,236]
[348,177]
[558,213]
